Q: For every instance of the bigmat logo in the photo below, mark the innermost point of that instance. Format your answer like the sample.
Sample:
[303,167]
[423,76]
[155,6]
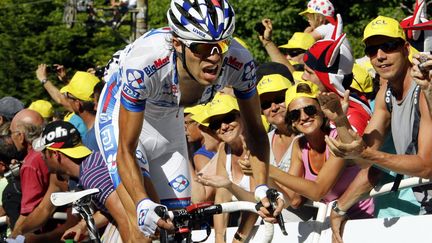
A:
[157,64]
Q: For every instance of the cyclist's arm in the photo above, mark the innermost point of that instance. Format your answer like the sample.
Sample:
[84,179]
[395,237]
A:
[130,125]
[256,138]
[41,213]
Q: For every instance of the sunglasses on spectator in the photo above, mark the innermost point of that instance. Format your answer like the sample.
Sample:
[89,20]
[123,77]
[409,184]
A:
[309,110]
[277,100]
[207,48]
[215,124]
[294,52]
[387,47]
[70,96]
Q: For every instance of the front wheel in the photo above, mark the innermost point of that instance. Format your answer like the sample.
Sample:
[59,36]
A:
[69,14]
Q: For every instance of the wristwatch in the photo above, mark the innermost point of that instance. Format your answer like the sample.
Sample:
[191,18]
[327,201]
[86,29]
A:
[337,210]
[43,81]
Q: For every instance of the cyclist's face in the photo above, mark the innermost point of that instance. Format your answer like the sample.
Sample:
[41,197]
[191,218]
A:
[204,62]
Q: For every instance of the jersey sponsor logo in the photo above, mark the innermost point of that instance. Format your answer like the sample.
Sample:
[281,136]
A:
[142,216]
[130,93]
[180,183]
[233,62]
[135,78]
[104,117]
[249,72]
[107,138]
[157,64]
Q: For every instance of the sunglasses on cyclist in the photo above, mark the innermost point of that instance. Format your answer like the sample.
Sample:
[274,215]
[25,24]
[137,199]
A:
[215,124]
[207,48]
[277,100]
[387,47]
[309,110]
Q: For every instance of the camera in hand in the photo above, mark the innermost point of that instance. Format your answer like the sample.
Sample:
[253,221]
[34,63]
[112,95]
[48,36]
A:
[51,68]
[14,171]
[423,69]
[100,71]
[260,28]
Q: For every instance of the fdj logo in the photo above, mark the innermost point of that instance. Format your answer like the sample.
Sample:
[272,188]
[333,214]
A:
[157,64]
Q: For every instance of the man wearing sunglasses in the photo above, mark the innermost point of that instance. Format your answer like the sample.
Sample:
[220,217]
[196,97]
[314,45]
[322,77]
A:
[400,109]
[161,72]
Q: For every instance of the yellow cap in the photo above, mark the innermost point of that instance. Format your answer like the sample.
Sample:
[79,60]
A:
[221,104]
[195,109]
[272,83]
[385,26]
[297,75]
[292,94]
[81,85]
[299,40]
[43,107]
[362,80]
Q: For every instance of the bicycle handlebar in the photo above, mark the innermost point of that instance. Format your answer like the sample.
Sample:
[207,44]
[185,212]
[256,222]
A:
[272,196]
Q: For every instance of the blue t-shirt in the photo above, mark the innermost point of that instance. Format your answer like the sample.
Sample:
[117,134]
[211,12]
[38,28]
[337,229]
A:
[90,140]
[78,123]
[204,152]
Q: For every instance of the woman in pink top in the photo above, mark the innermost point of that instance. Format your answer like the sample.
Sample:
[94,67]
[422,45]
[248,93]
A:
[314,172]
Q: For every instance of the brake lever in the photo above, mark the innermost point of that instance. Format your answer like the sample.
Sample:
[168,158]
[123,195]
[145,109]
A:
[272,195]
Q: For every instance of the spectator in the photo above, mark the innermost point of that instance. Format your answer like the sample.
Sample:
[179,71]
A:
[399,109]
[25,127]
[223,117]
[296,47]
[9,106]
[320,15]
[44,108]
[79,92]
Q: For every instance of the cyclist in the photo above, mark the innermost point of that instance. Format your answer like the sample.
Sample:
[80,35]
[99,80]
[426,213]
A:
[161,72]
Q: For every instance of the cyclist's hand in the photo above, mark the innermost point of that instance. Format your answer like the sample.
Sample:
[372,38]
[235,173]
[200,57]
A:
[264,212]
[78,232]
[148,220]
[18,239]
[213,180]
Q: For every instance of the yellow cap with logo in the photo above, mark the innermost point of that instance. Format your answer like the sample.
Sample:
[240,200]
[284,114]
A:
[221,104]
[293,92]
[385,26]
[81,86]
[272,83]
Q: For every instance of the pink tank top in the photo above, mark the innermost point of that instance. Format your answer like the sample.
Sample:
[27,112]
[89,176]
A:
[362,209]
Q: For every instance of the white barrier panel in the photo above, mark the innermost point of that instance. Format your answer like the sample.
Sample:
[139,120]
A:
[408,229]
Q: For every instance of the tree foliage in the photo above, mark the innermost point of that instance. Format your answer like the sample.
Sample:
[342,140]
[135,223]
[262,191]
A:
[32,32]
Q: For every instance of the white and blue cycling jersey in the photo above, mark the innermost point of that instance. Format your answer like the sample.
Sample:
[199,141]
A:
[143,77]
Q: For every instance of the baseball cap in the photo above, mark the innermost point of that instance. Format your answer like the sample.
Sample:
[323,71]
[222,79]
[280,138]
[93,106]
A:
[362,79]
[221,104]
[299,40]
[43,107]
[324,7]
[195,109]
[292,93]
[64,137]
[81,86]
[272,83]
[385,26]
[297,75]
[9,106]
[268,68]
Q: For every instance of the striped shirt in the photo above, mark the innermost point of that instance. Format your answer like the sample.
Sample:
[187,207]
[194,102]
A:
[94,174]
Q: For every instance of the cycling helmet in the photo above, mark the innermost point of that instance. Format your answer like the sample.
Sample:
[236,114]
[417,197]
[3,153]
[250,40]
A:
[201,20]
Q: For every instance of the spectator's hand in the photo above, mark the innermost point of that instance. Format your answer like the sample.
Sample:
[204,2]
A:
[244,162]
[337,224]
[41,72]
[148,220]
[61,73]
[267,32]
[78,232]
[217,181]
[423,79]
[331,105]
[351,150]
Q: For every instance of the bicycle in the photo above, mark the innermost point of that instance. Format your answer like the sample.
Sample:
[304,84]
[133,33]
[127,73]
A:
[185,219]
[81,202]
